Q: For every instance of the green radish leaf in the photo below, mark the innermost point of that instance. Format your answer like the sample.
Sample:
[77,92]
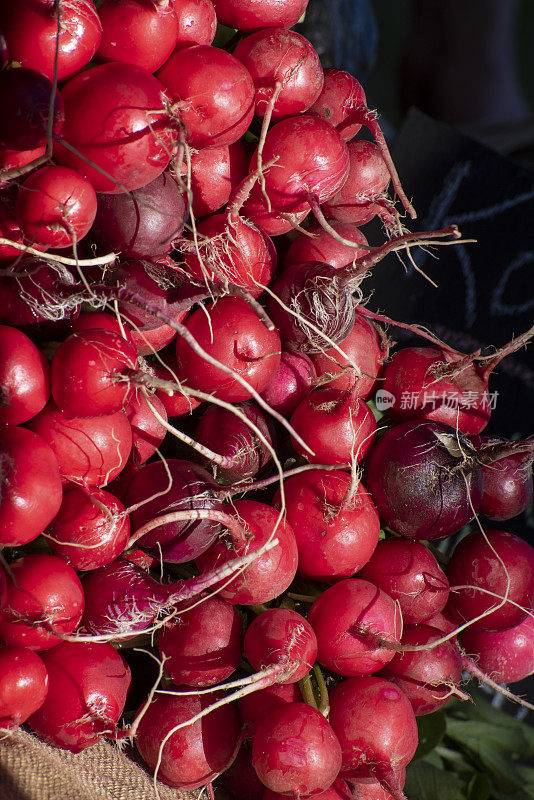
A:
[426,782]
[473,734]
[479,787]
[431,729]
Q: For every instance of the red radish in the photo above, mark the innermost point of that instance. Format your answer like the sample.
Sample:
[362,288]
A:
[290,383]
[508,489]
[428,678]
[242,453]
[163,488]
[197,22]
[445,483]
[232,333]
[365,346]
[9,228]
[245,16]
[26,98]
[203,647]
[90,373]
[231,250]
[311,160]
[23,685]
[31,31]
[376,727]
[341,96]
[24,377]
[178,403]
[3,588]
[143,223]
[271,222]
[278,55]
[322,246]
[197,752]
[281,637]
[89,451]
[363,790]
[137,33]
[336,425]
[240,779]
[86,696]
[505,656]
[117,133]
[14,159]
[44,597]
[336,525]
[210,118]
[30,485]
[350,619]
[56,207]
[502,566]
[409,573]
[295,751]
[271,573]
[215,173]
[90,529]
[339,790]
[148,431]
[93,320]
[253,708]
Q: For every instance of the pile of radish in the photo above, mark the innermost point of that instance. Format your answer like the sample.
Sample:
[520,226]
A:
[191,459]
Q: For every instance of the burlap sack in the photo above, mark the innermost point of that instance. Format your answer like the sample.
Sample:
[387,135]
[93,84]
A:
[32,770]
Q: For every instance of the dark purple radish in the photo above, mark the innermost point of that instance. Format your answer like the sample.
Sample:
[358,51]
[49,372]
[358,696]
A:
[253,708]
[311,161]
[295,751]
[148,430]
[88,684]
[23,685]
[424,480]
[143,223]
[504,656]
[364,352]
[491,570]
[351,621]
[411,575]
[203,646]
[215,173]
[428,677]
[337,426]
[291,382]
[158,490]
[269,575]
[322,246]
[508,488]
[242,453]
[280,56]
[26,97]
[377,730]
[196,752]
[283,639]
[335,523]
[246,16]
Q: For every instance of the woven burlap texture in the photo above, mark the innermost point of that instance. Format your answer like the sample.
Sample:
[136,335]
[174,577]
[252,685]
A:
[32,770]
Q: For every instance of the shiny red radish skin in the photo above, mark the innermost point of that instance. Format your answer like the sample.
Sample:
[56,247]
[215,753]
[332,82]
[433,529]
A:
[245,16]
[23,685]
[270,221]
[505,656]
[231,332]
[211,117]
[350,619]
[295,751]
[337,426]
[26,97]
[377,730]
[13,159]
[30,486]
[311,160]
[215,173]
[409,573]
[197,22]
[87,692]
[340,96]
[31,30]
[44,595]
[422,480]
[179,403]
[203,646]
[281,637]
[86,373]
[148,432]
[56,207]
[339,790]
[428,678]
[9,229]
[94,320]
[502,562]
[291,382]
[137,33]
[271,573]
[90,451]
[24,377]
[115,119]
[333,542]
[254,707]
[322,246]
[508,484]
[279,55]
[90,529]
